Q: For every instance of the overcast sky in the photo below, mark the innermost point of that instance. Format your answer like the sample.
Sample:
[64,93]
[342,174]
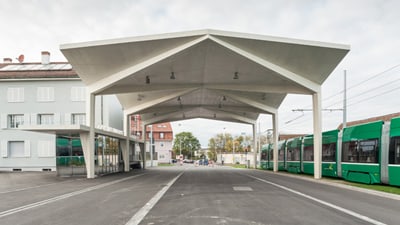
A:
[371,28]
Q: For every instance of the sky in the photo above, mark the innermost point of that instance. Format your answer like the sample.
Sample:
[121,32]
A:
[370,27]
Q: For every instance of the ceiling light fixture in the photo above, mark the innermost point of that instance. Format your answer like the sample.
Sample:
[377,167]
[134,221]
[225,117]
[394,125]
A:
[179,98]
[236,76]
[147,80]
[172,77]
[263,97]
[223,98]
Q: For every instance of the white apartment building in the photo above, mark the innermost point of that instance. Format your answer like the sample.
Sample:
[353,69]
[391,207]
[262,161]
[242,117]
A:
[44,94]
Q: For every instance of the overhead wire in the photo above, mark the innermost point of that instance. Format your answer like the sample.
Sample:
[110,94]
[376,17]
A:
[289,123]
[364,92]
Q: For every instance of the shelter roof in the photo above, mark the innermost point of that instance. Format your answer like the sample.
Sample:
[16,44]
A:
[208,74]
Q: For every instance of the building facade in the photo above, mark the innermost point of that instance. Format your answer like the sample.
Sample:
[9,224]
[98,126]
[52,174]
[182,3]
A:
[160,134]
[44,94]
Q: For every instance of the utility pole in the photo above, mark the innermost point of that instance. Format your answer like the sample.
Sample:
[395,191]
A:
[345,101]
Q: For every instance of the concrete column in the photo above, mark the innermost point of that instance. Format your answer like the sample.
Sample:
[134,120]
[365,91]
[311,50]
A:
[125,144]
[255,144]
[317,134]
[275,141]
[144,145]
[88,143]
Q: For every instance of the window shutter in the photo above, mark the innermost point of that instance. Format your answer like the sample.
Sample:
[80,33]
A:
[34,119]
[27,149]
[57,119]
[3,148]
[51,94]
[27,119]
[21,95]
[67,118]
[3,122]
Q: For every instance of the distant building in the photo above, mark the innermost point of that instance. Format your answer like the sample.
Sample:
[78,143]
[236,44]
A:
[162,138]
[45,94]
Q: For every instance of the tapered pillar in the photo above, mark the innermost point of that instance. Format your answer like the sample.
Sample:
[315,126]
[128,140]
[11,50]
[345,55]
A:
[125,145]
[275,141]
[87,140]
[255,144]
[144,145]
[317,134]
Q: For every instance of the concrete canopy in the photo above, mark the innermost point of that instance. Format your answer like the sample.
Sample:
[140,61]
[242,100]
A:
[203,74]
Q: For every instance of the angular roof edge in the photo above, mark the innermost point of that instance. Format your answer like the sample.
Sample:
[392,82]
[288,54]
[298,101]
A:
[201,33]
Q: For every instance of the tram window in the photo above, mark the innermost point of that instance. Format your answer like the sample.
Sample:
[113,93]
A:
[293,154]
[271,154]
[329,152]
[368,151]
[349,151]
[263,155]
[308,153]
[280,155]
[394,150]
[365,151]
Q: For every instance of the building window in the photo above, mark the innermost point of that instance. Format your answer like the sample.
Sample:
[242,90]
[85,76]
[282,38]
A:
[15,120]
[46,119]
[161,135]
[78,118]
[45,94]
[162,144]
[16,149]
[15,94]
[78,94]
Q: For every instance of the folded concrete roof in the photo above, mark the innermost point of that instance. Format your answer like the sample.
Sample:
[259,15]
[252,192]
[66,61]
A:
[208,74]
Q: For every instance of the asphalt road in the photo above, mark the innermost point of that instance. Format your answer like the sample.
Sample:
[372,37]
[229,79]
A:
[187,195]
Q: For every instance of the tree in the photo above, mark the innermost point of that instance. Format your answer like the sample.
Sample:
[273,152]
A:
[186,144]
[224,143]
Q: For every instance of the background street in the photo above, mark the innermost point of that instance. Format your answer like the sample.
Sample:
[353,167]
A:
[200,195]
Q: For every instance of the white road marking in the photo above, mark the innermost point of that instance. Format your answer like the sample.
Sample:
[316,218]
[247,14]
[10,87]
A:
[346,211]
[242,188]
[60,197]
[138,217]
[38,186]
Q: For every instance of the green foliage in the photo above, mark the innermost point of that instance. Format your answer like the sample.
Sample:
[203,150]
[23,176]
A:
[376,187]
[227,143]
[186,143]
[165,164]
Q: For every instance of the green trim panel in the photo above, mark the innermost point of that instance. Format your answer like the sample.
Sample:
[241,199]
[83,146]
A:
[394,175]
[361,173]
[395,127]
[363,131]
[293,167]
[329,169]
